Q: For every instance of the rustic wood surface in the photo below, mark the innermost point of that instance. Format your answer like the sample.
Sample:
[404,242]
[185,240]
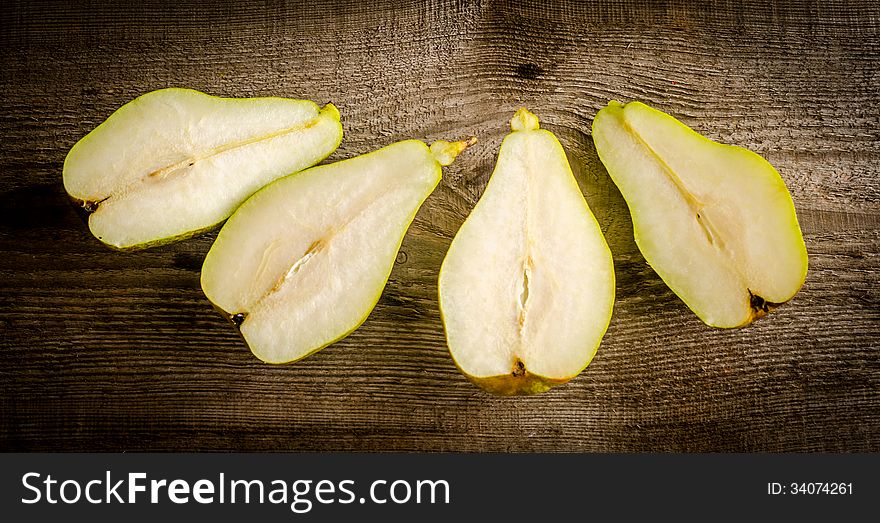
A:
[121,351]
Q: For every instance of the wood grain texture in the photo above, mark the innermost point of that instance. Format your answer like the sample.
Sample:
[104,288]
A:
[121,351]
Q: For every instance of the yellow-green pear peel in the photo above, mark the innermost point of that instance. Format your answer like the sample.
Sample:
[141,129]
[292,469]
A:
[527,288]
[716,222]
[302,263]
[175,162]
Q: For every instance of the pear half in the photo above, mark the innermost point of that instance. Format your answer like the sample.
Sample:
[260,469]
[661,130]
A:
[175,162]
[527,287]
[716,222]
[303,262]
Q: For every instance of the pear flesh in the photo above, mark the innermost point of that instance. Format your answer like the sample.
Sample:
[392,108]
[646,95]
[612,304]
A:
[175,162]
[303,262]
[716,222]
[527,287]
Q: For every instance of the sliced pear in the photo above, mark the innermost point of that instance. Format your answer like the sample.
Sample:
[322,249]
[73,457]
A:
[527,287]
[175,162]
[303,262]
[716,222]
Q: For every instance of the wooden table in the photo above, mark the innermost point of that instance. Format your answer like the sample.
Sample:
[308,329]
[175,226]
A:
[121,351]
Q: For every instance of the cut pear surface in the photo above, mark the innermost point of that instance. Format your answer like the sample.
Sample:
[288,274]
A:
[175,162]
[716,222]
[527,287]
[303,262]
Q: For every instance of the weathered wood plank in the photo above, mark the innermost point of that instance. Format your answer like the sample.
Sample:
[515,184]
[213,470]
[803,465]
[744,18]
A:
[105,350]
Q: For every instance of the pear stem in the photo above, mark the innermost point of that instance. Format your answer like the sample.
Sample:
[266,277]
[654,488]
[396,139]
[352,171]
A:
[446,152]
[524,120]
[331,109]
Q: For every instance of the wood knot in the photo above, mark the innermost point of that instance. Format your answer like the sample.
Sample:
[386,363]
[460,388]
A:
[529,71]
